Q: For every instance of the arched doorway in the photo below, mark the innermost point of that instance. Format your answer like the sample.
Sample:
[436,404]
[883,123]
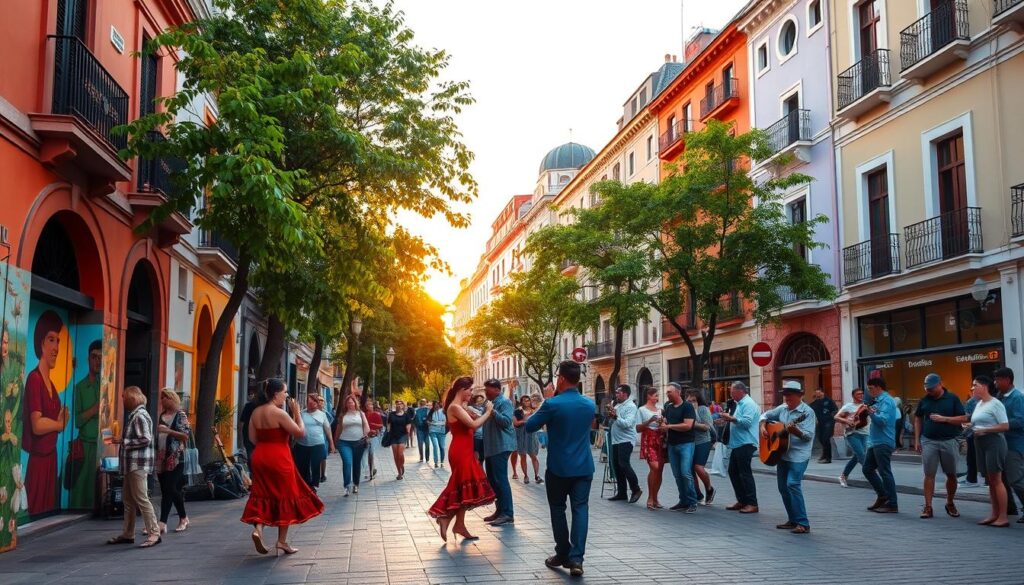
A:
[599,391]
[643,378]
[140,350]
[804,358]
[204,331]
[253,359]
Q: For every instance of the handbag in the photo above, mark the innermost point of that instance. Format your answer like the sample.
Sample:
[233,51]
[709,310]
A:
[192,466]
[365,440]
[385,438]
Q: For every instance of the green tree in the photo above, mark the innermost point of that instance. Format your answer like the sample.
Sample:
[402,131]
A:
[702,236]
[529,318]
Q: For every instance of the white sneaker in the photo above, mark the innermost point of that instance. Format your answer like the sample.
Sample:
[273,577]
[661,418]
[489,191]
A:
[346,492]
[968,484]
[355,489]
[842,481]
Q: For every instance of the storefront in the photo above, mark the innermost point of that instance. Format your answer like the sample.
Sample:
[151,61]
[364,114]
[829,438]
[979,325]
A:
[723,368]
[956,338]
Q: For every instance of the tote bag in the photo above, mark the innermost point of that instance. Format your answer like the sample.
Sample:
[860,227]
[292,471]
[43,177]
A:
[192,466]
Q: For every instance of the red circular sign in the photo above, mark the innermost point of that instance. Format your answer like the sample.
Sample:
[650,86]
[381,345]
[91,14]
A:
[579,355]
[761,354]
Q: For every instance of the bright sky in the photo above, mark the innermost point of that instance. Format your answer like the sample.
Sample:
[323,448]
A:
[537,69]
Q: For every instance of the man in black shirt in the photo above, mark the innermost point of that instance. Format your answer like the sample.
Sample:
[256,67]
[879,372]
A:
[939,442]
[678,427]
[825,410]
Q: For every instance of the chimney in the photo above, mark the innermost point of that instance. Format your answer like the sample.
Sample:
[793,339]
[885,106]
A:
[675,58]
[668,58]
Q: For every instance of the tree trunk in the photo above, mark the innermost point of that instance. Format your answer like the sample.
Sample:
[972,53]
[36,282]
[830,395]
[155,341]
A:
[619,334]
[271,362]
[313,378]
[210,374]
[350,370]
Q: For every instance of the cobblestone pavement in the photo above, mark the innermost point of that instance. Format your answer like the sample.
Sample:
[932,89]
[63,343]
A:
[383,535]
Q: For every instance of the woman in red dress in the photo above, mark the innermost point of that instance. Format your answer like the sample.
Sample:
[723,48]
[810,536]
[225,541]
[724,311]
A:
[44,418]
[279,496]
[468,486]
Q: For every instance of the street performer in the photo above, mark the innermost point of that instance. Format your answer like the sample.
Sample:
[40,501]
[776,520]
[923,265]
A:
[800,423]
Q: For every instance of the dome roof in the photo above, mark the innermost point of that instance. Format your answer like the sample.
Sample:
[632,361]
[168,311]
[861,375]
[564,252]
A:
[567,156]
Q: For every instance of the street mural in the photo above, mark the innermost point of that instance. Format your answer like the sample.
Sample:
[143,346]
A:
[13,348]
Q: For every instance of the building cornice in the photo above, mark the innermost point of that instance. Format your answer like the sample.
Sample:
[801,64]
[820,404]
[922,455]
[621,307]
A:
[762,13]
[724,43]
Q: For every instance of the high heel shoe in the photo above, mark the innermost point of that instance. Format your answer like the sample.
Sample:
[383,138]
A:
[284,546]
[442,528]
[257,540]
[182,525]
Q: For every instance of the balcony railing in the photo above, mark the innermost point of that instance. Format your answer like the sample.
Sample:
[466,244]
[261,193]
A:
[948,235]
[873,258]
[729,308]
[793,127]
[1004,5]
[84,89]
[947,22]
[1017,208]
[567,265]
[601,349]
[211,239]
[789,296]
[865,76]
[674,134]
[730,88]
[156,174]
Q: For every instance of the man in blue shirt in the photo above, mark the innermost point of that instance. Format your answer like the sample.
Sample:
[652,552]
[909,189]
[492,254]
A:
[499,443]
[570,465]
[1013,401]
[622,424]
[743,443]
[800,423]
[881,443]
[420,422]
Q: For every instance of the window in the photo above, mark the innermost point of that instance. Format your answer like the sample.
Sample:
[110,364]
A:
[632,108]
[671,130]
[762,58]
[147,86]
[787,39]
[952,173]
[72,19]
[798,215]
[643,97]
[687,117]
[650,147]
[814,20]
[182,282]
[727,79]
[631,163]
[616,172]
[868,17]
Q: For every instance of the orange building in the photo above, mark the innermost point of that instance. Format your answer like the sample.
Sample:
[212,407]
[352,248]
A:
[85,295]
[714,85]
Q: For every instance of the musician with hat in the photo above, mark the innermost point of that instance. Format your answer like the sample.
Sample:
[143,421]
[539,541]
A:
[799,421]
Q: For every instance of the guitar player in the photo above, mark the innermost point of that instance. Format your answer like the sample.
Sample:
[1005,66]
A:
[800,423]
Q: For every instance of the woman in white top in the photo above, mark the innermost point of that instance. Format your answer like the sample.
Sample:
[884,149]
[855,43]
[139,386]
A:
[311,449]
[352,430]
[652,444]
[988,422]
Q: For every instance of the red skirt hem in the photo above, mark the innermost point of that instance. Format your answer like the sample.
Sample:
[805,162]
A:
[268,512]
[468,495]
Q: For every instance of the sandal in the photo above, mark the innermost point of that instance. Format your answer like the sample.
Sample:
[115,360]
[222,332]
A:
[121,540]
[151,543]
[537,479]
[927,512]
[952,511]
[526,479]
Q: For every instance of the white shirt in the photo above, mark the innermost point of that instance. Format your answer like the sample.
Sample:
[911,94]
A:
[988,414]
[352,426]
[624,425]
[646,414]
[851,407]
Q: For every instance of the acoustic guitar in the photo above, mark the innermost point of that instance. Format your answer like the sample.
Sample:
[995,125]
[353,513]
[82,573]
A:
[860,416]
[773,446]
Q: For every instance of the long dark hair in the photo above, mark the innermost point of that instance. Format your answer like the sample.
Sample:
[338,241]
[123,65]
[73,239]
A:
[698,394]
[434,407]
[458,385]
[267,390]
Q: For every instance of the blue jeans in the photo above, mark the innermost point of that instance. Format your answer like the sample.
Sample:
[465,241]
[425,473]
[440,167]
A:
[307,461]
[858,444]
[789,475]
[878,471]
[497,475]
[437,440]
[569,544]
[680,457]
[424,444]
[542,437]
[351,460]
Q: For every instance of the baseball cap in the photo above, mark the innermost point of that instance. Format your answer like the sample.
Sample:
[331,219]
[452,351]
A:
[932,380]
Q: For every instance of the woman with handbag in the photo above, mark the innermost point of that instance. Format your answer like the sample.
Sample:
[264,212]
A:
[351,438]
[173,431]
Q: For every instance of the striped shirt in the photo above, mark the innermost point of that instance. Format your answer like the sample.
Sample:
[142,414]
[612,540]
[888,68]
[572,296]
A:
[137,442]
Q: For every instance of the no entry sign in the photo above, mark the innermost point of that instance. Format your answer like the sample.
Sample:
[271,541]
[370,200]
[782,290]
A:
[761,354]
[579,355]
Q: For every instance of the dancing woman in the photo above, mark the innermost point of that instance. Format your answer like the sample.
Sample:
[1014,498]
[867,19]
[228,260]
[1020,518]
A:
[468,486]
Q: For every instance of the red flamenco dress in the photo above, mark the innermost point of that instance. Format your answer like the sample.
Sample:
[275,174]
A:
[279,496]
[468,486]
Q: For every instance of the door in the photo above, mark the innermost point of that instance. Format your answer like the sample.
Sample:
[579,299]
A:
[727,85]
[878,222]
[952,180]
[791,111]
[870,68]
[943,23]
[71,18]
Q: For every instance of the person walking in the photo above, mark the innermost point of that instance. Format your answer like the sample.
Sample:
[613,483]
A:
[703,437]
[467,487]
[856,439]
[243,425]
[825,410]
[437,430]
[136,463]
[881,444]
[172,438]
[937,441]
[678,428]
[527,444]
[475,409]
[800,422]
[742,444]
[423,429]
[399,423]
[652,444]
[499,443]
[322,403]
[279,495]
[570,469]
[376,422]
[351,438]
[622,424]
[312,448]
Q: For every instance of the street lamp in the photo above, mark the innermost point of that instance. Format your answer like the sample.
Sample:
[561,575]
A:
[391,358]
[357,325]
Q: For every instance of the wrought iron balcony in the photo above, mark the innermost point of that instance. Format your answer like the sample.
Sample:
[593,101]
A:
[873,258]
[601,349]
[793,128]
[856,86]
[156,174]
[217,252]
[730,308]
[719,96]
[674,136]
[790,297]
[935,40]
[1017,209]
[1008,11]
[84,89]
[946,236]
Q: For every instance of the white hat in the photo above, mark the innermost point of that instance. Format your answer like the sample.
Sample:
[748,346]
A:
[792,386]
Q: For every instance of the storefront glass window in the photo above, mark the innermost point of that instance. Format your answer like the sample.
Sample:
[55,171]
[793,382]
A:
[905,330]
[940,322]
[977,324]
[874,334]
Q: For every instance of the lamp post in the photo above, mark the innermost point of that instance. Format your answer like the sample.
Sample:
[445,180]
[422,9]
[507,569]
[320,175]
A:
[391,358]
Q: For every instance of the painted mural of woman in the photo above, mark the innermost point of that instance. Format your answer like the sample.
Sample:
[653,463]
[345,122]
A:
[44,418]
